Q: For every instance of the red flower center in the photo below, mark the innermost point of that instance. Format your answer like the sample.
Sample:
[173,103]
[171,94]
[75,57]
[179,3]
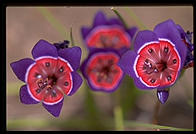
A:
[103,71]
[49,78]
[157,64]
[108,37]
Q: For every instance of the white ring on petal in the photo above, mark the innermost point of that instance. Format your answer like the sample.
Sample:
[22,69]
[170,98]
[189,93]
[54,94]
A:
[49,103]
[146,44]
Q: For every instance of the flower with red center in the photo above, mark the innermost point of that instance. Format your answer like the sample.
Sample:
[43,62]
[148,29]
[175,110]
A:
[51,75]
[108,33]
[157,59]
[101,70]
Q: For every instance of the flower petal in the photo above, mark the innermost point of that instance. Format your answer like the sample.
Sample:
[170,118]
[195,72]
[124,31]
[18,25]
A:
[77,82]
[72,55]
[131,31]
[99,19]
[25,97]
[85,31]
[20,67]
[168,30]
[144,37]
[126,62]
[44,48]
[54,109]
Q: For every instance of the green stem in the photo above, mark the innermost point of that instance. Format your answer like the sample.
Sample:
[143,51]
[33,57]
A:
[71,37]
[120,17]
[118,113]
[136,19]
[53,21]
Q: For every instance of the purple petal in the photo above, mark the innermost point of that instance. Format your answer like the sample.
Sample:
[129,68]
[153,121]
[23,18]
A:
[20,67]
[85,31]
[144,37]
[168,30]
[99,19]
[25,97]
[131,31]
[72,55]
[162,95]
[54,109]
[139,84]
[126,64]
[181,31]
[77,82]
[44,48]
[115,21]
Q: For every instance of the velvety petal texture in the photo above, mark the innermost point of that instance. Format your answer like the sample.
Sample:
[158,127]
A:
[77,82]
[54,109]
[25,97]
[99,19]
[144,37]
[72,55]
[20,67]
[168,30]
[44,48]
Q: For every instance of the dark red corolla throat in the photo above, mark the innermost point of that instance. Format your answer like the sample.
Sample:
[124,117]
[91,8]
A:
[103,71]
[158,64]
[49,78]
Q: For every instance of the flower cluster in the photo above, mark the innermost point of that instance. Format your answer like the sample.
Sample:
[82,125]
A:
[156,62]
[106,41]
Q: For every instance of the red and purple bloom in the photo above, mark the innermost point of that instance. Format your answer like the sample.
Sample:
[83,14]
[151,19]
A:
[51,75]
[108,33]
[157,59]
[101,70]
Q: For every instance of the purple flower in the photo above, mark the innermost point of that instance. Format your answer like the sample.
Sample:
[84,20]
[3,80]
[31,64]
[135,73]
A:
[187,39]
[101,70]
[49,76]
[157,59]
[108,33]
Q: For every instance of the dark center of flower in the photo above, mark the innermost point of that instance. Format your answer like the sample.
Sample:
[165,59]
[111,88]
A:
[103,71]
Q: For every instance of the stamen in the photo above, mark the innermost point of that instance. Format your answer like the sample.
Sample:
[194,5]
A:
[156,70]
[38,90]
[174,61]
[53,93]
[66,83]
[166,49]
[61,69]
[150,50]
[47,64]
[169,78]
[152,80]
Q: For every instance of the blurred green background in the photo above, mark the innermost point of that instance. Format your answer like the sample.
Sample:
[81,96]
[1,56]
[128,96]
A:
[88,110]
